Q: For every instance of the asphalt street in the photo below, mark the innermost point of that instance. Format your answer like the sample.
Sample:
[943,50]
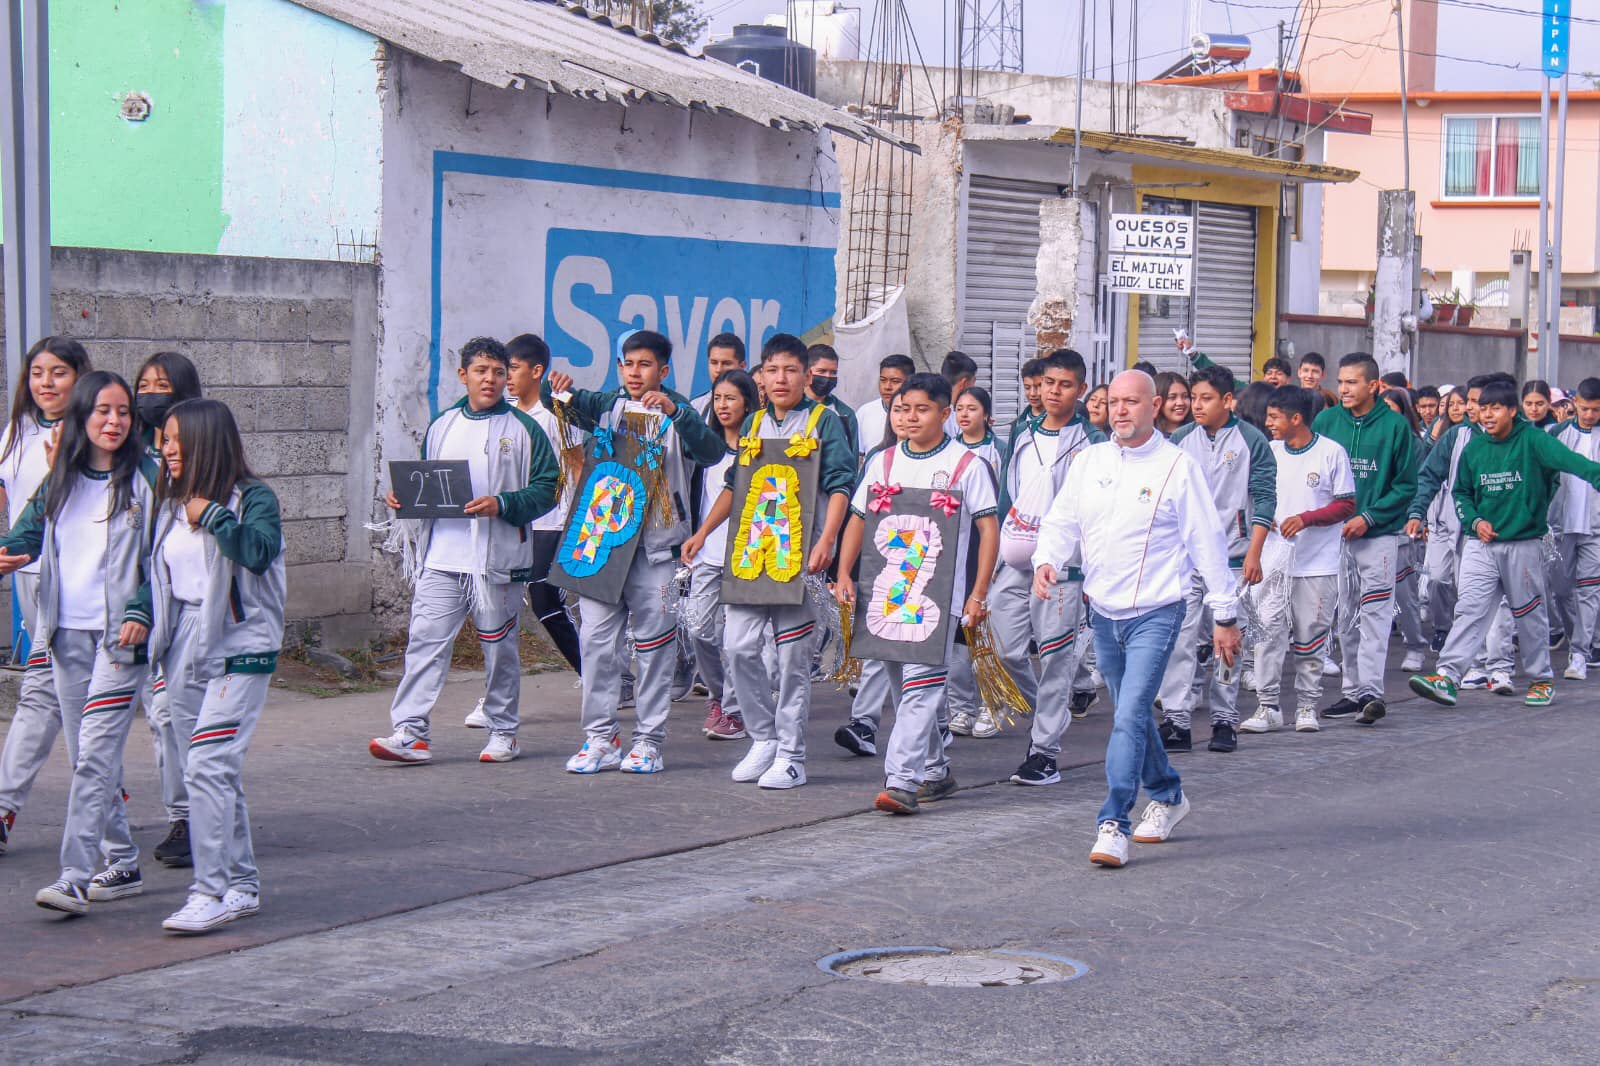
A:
[1416,892]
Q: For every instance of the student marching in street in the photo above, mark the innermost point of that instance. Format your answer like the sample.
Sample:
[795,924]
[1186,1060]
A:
[166,379]
[475,566]
[1502,494]
[1173,392]
[1382,458]
[974,417]
[823,362]
[1316,494]
[1277,371]
[724,352]
[44,388]
[1242,475]
[1311,371]
[529,360]
[685,441]
[1034,474]
[1577,505]
[1095,407]
[732,399]
[1410,554]
[1033,409]
[916,768]
[89,525]
[872,419]
[776,759]
[1138,512]
[217,590]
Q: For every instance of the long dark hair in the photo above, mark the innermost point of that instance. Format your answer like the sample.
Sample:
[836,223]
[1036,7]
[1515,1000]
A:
[1402,399]
[1250,403]
[73,453]
[23,404]
[213,453]
[746,385]
[180,373]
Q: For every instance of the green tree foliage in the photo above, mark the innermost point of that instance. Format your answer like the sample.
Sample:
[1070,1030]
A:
[678,20]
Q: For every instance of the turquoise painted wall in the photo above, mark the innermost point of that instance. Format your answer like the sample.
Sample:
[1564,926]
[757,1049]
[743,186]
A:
[263,136]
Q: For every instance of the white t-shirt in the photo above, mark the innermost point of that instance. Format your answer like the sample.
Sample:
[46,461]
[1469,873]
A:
[933,470]
[1310,479]
[1036,456]
[183,552]
[450,548]
[872,420]
[555,518]
[24,470]
[715,551]
[80,532]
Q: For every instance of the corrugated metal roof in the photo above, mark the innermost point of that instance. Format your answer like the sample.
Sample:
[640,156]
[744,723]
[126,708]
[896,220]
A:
[564,48]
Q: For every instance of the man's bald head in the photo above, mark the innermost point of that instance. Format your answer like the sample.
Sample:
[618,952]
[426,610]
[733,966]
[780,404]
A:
[1131,407]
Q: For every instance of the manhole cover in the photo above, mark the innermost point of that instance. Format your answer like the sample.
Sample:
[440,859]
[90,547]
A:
[983,968]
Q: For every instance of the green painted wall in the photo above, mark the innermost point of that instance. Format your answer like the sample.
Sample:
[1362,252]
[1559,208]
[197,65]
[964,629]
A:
[153,185]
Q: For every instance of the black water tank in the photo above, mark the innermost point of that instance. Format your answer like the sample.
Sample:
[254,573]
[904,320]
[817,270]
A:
[768,52]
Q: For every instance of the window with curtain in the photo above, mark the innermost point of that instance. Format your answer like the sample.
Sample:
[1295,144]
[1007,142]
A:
[1491,157]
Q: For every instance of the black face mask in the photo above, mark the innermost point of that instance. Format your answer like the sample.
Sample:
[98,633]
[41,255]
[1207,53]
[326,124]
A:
[153,407]
[821,387]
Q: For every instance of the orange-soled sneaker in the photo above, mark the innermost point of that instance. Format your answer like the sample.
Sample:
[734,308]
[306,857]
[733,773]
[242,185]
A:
[401,747]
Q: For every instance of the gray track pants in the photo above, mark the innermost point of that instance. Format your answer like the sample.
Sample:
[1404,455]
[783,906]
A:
[37,718]
[439,605]
[99,699]
[915,752]
[795,634]
[1513,569]
[1366,613]
[872,692]
[604,638]
[219,821]
[706,620]
[1441,556]
[1185,673]
[1057,627]
[175,701]
[1407,599]
[1304,634]
[171,744]
[1579,595]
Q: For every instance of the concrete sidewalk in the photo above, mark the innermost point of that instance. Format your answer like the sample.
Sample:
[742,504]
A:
[342,838]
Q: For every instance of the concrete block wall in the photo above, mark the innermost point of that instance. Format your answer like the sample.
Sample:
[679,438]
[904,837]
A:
[291,347]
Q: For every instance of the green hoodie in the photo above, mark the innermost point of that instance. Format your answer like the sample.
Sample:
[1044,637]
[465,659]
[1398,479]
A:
[1509,483]
[1383,459]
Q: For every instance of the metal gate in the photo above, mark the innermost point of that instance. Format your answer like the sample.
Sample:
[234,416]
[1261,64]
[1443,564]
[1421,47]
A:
[1000,278]
[1220,316]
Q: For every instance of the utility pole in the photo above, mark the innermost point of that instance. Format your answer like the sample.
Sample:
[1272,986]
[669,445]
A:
[1394,306]
[25,175]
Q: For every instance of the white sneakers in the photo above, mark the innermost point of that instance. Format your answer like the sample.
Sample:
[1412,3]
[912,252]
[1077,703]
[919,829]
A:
[1413,662]
[1265,720]
[757,761]
[476,719]
[596,755]
[203,913]
[984,726]
[502,747]
[1159,820]
[1577,667]
[961,723]
[1500,683]
[1330,668]
[1306,721]
[783,773]
[643,758]
[1110,846]
[401,746]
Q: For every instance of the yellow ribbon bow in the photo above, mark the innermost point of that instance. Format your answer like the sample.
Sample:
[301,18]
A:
[749,449]
[801,446]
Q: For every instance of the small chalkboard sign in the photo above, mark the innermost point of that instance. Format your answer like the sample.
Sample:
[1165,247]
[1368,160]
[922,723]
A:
[431,488]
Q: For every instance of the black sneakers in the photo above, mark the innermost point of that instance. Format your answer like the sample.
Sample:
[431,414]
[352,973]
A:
[115,883]
[1371,711]
[63,896]
[1082,701]
[1344,708]
[1224,737]
[933,791]
[174,851]
[7,820]
[1037,769]
[858,738]
[1175,739]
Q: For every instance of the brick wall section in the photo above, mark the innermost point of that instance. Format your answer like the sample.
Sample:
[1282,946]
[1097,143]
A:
[279,341]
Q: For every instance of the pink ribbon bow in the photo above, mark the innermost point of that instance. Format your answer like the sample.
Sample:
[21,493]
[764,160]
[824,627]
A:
[945,502]
[882,497]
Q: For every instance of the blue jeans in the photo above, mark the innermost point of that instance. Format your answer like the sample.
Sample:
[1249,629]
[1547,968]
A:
[1132,655]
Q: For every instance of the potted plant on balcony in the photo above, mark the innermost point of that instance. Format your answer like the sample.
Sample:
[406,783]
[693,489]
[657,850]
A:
[1447,308]
[1464,312]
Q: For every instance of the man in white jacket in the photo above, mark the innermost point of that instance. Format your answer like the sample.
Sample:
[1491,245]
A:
[1141,513]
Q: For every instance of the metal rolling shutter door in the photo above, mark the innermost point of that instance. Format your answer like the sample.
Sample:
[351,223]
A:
[1002,251]
[1225,285]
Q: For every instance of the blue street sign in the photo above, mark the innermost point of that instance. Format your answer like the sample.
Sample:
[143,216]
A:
[1557,28]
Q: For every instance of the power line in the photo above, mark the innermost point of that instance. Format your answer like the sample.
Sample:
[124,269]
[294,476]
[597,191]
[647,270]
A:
[1481,5]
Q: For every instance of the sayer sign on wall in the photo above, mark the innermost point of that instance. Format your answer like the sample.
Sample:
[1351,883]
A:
[583,255]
